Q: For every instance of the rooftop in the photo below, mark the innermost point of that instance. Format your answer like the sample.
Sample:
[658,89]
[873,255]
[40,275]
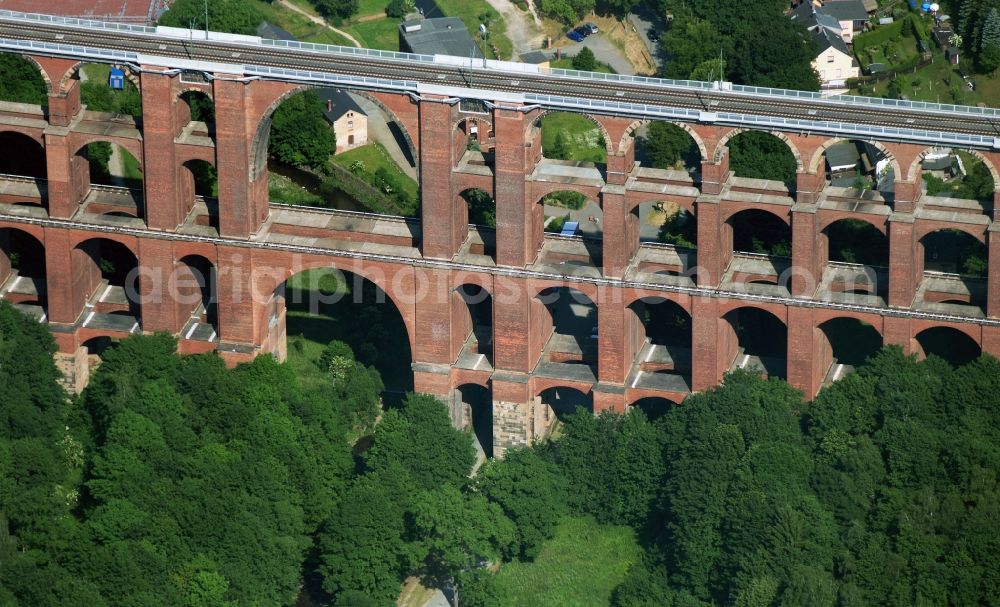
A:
[845,10]
[126,11]
[442,36]
[339,102]
[270,31]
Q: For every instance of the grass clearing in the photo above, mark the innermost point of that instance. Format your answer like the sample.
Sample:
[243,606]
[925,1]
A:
[130,167]
[566,63]
[321,307]
[470,11]
[283,189]
[380,33]
[579,567]
[374,157]
[584,141]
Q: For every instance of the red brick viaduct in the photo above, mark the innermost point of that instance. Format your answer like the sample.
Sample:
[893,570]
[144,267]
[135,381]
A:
[251,247]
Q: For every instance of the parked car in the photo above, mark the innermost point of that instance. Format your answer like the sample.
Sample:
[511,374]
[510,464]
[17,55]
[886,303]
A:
[575,36]
[591,27]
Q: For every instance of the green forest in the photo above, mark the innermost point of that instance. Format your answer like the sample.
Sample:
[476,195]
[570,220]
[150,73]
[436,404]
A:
[173,480]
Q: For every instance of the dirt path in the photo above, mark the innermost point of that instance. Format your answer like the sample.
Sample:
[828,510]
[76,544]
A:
[116,166]
[319,21]
[523,29]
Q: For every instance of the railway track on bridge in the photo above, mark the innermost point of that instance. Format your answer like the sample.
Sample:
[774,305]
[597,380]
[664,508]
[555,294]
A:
[700,103]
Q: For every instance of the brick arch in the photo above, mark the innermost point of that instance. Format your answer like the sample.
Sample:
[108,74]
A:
[541,384]
[481,119]
[776,310]
[973,332]
[536,124]
[825,315]
[590,290]
[74,73]
[717,156]
[36,232]
[634,200]
[630,132]
[41,70]
[133,146]
[268,281]
[129,242]
[680,300]
[634,396]
[881,227]
[394,118]
[479,279]
[978,232]
[730,214]
[34,134]
[70,74]
[258,147]
[821,150]
[541,189]
[915,165]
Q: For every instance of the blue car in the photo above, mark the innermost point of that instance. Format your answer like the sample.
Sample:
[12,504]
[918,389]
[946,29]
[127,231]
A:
[575,36]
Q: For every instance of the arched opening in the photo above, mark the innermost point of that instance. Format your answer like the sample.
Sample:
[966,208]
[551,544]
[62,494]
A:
[668,223]
[563,402]
[571,324]
[663,145]
[482,213]
[760,232]
[859,165]
[97,346]
[759,340]
[22,157]
[107,88]
[849,343]
[477,353]
[200,112]
[571,137]
[957,174]
[474,143]
[949,344]
[954,252]
[195,292]
[856,241]
[199,186]
[664,345]
[21,81]
[317,306]
[759,155]
[118,175]
[572,214]
[477,403]
[654,407]
[22,268]
[106,274]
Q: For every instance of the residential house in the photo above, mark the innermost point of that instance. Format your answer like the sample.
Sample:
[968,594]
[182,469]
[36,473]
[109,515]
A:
[348,121]
[834,62]
[851,15]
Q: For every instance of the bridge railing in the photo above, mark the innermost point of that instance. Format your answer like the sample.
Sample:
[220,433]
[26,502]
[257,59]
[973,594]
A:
[76,22]
[68,49]
[559,72]
[347,50]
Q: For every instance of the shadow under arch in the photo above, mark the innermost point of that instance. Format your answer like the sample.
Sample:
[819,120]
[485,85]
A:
[949,344]
[323,303]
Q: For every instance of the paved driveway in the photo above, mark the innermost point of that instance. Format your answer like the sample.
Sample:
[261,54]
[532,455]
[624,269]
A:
[603,50]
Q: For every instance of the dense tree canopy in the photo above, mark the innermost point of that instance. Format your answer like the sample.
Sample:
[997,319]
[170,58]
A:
[20,81]
[300,135]
[760,46]
[231,16]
